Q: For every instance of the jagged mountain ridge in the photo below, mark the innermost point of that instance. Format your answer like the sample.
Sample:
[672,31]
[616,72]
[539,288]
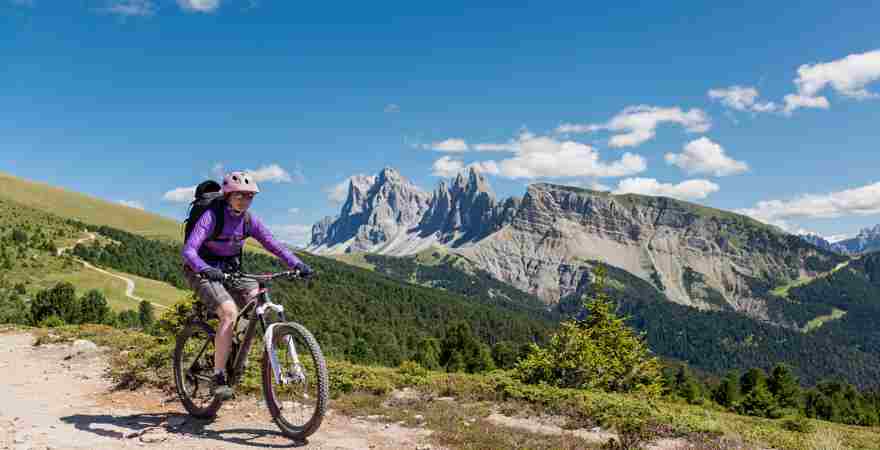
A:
[541,243]
[824,244]
[386,214]
[868,240]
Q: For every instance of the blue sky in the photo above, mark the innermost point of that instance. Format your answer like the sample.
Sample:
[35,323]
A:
[766,109]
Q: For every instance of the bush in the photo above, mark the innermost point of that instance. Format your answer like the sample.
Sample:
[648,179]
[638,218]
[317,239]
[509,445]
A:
[799,424]
[52,321]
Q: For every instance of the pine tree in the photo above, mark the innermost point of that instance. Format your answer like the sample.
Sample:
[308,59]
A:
[145,315]
[784,386]
[598,352]
[751,379]
[686,386]
[128,319]
[727,393]
[59,301]
[505,354]
[428,353]
[94,307]
[759,401]
[456,362]
[360,350]
[460,340]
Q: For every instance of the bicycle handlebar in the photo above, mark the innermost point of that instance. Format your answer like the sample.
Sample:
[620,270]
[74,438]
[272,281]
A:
[270,276]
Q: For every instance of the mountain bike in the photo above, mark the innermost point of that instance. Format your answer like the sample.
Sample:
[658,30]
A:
[295,387]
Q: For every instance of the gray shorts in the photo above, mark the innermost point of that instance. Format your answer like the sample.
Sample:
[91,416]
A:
[214,293]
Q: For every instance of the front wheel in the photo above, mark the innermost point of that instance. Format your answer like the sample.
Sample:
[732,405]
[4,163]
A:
[300,398]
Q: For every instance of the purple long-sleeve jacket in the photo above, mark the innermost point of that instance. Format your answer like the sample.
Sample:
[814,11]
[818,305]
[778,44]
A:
[233,228]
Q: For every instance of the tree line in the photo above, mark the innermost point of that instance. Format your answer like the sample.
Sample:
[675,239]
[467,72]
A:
[60,305]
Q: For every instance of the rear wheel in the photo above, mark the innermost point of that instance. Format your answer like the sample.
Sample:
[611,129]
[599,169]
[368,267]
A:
[299,400]
[194,370]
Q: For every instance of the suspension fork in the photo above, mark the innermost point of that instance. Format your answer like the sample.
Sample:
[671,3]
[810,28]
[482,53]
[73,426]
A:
[280,376]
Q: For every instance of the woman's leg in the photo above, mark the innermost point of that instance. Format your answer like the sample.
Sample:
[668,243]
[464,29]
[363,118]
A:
[215,297]
[227,311]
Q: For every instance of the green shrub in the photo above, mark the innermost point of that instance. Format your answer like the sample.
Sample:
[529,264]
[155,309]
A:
[52,321]
[799,424]
[599,352]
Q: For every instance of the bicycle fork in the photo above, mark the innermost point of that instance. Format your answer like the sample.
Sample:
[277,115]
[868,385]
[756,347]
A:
[298,374]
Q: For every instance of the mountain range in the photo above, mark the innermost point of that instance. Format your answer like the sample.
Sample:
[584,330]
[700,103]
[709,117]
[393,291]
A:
[544,242]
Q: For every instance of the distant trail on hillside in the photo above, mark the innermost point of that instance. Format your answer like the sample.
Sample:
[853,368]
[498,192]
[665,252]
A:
[129,283]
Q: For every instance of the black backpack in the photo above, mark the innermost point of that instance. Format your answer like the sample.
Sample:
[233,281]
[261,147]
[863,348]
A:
[209,197]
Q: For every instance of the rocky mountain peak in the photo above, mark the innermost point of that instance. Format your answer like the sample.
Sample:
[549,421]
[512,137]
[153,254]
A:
[389,175]
[870,232]
[868,240]
[823,243]
[478,183]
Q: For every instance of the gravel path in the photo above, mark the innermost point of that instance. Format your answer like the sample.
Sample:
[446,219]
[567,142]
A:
[52,397]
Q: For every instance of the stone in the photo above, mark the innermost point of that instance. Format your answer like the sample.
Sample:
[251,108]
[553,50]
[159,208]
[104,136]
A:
[81,347]
[402,398]
[154,436]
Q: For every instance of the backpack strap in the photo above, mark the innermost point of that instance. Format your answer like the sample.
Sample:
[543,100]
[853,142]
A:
[218,208]
[247,225]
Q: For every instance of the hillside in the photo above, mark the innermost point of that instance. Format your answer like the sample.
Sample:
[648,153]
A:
[32,258]
[68,204]
[713,340]
[87,209]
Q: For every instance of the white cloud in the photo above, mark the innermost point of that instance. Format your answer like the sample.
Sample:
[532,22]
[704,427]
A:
[293,210]
[860,201]
[702,156]
[131,8]
[835,238]
[541,156]
[686,190]
[511,146]
[295,234]
[273,173]
[204,6]
[636,125]
[848,76]
[132,204]
[451,145]
[337,192]
[180,195]
[487,167]
[741,98]
[392,108]
[794,101]
[446,167]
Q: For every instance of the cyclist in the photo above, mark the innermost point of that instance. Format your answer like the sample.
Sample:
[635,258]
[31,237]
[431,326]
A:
[207,260]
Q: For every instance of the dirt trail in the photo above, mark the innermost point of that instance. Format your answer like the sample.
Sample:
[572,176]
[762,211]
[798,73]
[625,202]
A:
[50,402]
[129,283]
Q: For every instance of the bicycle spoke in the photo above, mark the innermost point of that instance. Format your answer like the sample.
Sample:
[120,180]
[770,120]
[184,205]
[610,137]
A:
[293,393]
[197,361]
